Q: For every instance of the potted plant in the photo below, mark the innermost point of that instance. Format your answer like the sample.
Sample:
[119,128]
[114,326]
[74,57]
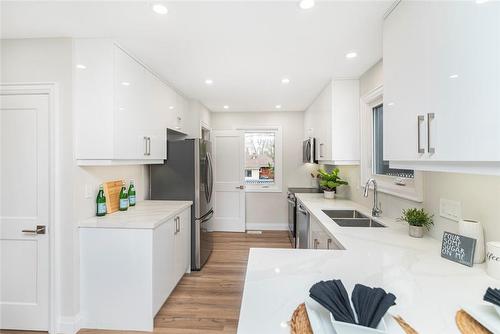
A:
[329,182]
[417,220]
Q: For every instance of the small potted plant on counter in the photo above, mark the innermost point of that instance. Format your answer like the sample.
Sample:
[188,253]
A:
[329,182]
[417,220]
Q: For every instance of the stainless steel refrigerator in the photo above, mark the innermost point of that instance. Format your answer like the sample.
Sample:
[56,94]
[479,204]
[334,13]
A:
[187,174]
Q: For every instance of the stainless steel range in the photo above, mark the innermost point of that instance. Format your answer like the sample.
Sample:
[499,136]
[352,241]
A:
[292,211]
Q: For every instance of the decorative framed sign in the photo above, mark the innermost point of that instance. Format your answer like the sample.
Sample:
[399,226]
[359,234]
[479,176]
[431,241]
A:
[458,248]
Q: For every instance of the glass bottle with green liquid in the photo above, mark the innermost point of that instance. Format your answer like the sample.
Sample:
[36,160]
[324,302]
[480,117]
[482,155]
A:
[131,194]
[101,202]
[123,198]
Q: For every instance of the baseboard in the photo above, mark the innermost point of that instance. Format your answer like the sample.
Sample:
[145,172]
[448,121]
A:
[69,325]
[267,226]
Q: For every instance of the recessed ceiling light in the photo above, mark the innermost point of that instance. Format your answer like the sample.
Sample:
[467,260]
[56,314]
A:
[306,4]
[351,55]
[390,104]
[479,2]
[160,9]
[171,107]
[278,106]
[285,81]
[81,66]
[209,81]
[453,76]
[226,107]
[125,83]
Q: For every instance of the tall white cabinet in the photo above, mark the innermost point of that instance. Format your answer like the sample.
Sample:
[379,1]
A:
[122,109]
[333,119]
[441,86]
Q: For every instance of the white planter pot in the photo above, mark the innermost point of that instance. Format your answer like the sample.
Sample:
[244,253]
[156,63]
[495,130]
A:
[328,194]
[474,229]
[415,231]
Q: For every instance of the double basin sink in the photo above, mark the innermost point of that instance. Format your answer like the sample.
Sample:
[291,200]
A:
[351,218]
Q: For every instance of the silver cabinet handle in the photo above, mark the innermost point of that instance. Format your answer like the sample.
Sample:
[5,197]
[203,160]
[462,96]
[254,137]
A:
[146,145]
[240,187]
[316,243]
[328,243]
[149,145]
[40,229]
[321,150]
[430,117]
[420,118]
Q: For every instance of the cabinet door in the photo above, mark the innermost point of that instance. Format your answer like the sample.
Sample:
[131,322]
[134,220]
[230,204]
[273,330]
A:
[182,243]
[131,98]
[180,112]
[164,279]
[323,124]
[465,81]
[406,81]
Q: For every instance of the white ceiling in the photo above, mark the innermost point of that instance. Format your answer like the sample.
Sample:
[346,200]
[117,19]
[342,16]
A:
[246,48]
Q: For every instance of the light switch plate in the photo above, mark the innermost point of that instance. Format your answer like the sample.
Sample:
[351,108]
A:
[450,209]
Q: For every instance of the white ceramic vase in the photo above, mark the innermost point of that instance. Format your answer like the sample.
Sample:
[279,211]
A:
[474,229]
[328,194]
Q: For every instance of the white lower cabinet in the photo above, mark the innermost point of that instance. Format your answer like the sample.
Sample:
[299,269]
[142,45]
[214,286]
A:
[128,273]
[320,238]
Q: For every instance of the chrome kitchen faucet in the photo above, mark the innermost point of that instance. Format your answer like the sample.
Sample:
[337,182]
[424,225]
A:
[376,211]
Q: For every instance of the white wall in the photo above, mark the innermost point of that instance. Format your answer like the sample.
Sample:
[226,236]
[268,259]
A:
[50,60]
[479,195]
[269,210]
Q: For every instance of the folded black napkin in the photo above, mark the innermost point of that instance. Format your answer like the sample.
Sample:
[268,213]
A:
[370,303]
[333,296]
[492,296]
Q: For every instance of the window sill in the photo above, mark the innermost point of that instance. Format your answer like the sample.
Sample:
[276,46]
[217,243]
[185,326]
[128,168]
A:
[385,184]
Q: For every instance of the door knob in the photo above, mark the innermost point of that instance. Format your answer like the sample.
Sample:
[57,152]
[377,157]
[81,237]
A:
[40,229]
[240,187]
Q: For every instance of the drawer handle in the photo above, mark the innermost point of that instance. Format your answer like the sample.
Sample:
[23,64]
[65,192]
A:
[316,243]
[328,243]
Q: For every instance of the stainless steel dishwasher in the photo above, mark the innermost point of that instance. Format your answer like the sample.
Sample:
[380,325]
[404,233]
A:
[302,227]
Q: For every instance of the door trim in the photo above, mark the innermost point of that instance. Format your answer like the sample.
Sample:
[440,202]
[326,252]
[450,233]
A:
[50,89]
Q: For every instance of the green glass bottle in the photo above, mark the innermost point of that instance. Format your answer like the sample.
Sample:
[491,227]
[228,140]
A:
[123,198]
[131,194]
[101,202]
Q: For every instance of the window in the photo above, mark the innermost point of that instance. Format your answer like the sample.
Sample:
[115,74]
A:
[260,151]
[381,166]
[402,183]
[263,159]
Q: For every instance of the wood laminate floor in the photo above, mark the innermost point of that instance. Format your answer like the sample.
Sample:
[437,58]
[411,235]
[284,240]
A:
[208,301]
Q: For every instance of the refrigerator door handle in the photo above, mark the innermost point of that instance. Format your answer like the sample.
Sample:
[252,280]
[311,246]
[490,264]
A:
[211,173]
[211,211]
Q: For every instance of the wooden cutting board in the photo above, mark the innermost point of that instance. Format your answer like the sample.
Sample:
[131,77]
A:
[112,193]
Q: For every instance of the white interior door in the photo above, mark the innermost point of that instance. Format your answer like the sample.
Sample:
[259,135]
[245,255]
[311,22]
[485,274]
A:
[229,185]
[24,205]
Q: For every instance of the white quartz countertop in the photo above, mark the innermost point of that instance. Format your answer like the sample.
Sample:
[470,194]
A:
[144,215]
[429,289]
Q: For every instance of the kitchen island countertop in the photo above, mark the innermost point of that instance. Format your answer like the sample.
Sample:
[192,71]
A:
[429,289]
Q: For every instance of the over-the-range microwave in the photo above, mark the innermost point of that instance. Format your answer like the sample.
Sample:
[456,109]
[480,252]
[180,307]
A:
[308,151]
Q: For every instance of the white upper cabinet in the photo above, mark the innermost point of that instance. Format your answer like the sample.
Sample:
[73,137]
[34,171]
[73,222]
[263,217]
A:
[122,110]
[441,86]
[333,119]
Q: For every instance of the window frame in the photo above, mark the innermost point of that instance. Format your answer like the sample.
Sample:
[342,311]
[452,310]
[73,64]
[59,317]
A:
[413,188]
[277,186]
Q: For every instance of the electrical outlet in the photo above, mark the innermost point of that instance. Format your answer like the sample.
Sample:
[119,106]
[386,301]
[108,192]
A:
[88,191]
[450,209]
